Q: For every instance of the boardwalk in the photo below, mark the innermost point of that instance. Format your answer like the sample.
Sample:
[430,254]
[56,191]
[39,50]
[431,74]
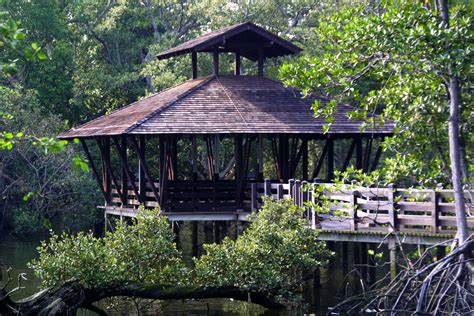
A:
[353,213]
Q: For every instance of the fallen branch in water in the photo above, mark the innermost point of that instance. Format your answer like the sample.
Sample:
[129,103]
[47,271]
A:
[72,295]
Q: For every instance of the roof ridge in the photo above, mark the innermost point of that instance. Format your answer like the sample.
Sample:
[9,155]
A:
[161,108]
[127,106]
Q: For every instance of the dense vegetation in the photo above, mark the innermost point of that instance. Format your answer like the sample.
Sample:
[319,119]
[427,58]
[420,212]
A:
[273,257]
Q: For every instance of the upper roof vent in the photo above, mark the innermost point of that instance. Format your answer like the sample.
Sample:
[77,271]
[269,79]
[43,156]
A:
[245,39]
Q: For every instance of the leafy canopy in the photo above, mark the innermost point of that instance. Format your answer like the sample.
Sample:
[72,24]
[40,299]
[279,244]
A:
[395,63]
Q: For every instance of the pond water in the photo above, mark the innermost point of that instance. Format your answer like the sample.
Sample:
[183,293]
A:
[16,254]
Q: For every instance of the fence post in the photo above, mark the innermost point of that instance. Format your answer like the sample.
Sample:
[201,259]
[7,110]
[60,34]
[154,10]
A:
[297,193]
[280,192]
[291,184]
[434,212]
[254,196]
[353,201]
[392,212]
[267,187]
[304,196]
[314,217]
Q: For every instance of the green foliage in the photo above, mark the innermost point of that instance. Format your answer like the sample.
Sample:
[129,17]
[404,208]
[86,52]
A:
[27,222]
[395,62]
[271,256]
[143,252]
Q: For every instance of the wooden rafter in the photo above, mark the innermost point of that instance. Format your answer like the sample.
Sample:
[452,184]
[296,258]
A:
[110,172]
[124,162]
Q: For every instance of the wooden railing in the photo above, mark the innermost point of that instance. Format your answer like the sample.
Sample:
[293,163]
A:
[347,208]
[369,209]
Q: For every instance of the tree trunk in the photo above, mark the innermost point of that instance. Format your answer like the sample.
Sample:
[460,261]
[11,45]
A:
[455,156]
[72,295]
[454,149]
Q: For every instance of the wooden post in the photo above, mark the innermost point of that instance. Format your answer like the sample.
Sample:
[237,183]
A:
[359,162]
[106,169]
[392,247]
[375,162]
[141,169]
[284,161]
[260,157]
[349,156]
[267,187]
[237,63]
[215,60]
[434,227]
[304,163]
[174,157]
[261,61]
[330,160]
[304,196]
[208,232]
[146,170]
[353,202]
[363,259]
[254,197]
[176,230]
[392,213]
[105,153]
[217,234]
[123,173]
[238,169]
[291,184]
[297,193]
[216,157]
[194,65]
[280,192]
[345,254]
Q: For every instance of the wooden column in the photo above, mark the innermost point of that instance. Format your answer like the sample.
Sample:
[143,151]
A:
[94,170]
[238,168]
[106,176]
[237,64]
[215,60]
[194,65]
[378,153]
[141,169]
[304,163]
[174,157]
[163,169]
[359,158]
[284,157]
[123,173]
[330,159]
[216,157]
[261,61]
[260,158]
[194,156]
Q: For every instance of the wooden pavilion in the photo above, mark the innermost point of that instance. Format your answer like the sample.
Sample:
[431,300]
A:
[151,151]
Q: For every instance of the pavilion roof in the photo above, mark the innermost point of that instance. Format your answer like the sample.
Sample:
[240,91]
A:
[247,38]
[222,105]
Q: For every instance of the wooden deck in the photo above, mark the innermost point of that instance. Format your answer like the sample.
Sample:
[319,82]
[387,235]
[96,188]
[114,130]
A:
[355,213]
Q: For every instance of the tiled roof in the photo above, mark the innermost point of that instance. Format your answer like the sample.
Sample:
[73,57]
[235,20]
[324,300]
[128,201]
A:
[224,104]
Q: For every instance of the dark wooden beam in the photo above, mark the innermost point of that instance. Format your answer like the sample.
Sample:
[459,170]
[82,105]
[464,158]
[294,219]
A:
[194,156]
[141,170]
[194,65]
[106,169]
[123,172]
[284,157]
[124,162]
[368,150]
[349,155]
[163,169]
[317,167]
[215,60]
[142,158]
[304,163]
[216,157]
[174,157]
[105,151]
[375,162]
[330,160]
[238,168]
[237,64]
[260,157]
[94,170]
[276,157]
[261,61]
[359,162]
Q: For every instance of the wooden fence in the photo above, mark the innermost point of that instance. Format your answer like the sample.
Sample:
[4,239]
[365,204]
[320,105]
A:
[369,209]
